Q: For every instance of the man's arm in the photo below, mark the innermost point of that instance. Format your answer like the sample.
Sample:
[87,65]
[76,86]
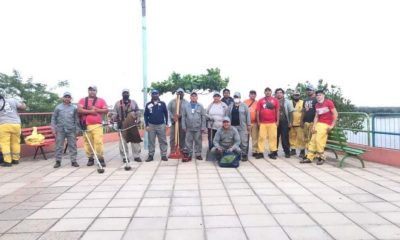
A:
[335,116]
[54,118]
[165,113]
[216,140]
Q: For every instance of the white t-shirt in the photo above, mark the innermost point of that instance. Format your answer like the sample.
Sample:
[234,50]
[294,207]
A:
[9,114]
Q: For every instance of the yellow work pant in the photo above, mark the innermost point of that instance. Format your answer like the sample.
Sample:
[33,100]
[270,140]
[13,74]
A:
[296,137]
[10,141]
[268,131]
[317,144]
[95,134]
[254,137]
[307,130]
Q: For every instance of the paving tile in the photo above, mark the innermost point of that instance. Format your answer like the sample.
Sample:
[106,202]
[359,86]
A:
[20,236]
[72,196]
[124,202]
[186,201]
[184,234]
[6,225]
[61,236]
[144,234]
[384,231]
[72,224]
[102,235]
[394,217]
[33,226]
[185,223]
[117,212]
[261,233]
[215,201]
[83,213]
[152,212]
[307,233]
[185,211]
[94,203]
[62,204]
[294,219]
[258,221]
[101,195]
[221,221]
[218,210]
[155,202]
[48,213]
[257,209]
[245,200]
[367,218]
[225,233]
[109,224]
[345,232]
[15,214]
[147,223]
[284,208]
[331,218]
[186,193]
[381,207]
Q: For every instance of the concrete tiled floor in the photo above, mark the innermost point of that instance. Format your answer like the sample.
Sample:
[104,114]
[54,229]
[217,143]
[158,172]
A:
[262,199]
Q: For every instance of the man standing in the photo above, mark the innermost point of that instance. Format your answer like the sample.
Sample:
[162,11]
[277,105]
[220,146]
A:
[268,120]
[65,124]
[91,110]
[10,129]
[285,120]
[126,114]
[156,122]
[227,99]
[240,119]
[324,121]
[194,123]
[252,105]
[296,132]
[174,118]
[308,114]
[226,139]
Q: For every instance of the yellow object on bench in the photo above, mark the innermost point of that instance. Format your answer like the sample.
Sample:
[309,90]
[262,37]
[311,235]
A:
[35,138]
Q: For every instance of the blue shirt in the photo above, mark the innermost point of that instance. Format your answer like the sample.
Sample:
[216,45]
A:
[155,113]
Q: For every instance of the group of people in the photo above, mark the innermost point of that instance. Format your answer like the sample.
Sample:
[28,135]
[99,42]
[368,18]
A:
[229,122]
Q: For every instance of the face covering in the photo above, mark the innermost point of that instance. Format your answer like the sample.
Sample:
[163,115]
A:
[236,100]
[125,97]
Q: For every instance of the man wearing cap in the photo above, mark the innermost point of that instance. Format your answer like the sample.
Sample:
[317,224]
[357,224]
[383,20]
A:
[268,120]
[226,138]
[215,113]
[227,99]
[91,110]
[240,119]
[156,121]
[296,134]
[252,105]
[65,125]
[10,129]
[324,121]
[285,120]
[308,114]
[194,124]
[175,117]
[126,114]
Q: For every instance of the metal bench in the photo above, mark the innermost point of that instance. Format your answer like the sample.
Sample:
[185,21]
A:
[337,142]
[49,139]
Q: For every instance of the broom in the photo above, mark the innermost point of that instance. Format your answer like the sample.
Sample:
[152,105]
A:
[176,154]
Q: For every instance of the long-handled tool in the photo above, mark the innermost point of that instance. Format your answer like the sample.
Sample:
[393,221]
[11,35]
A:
[210,145]
[127,162]
[176,154]
[100,168]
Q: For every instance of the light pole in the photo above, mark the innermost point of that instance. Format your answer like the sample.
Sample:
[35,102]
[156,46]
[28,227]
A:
[144,52]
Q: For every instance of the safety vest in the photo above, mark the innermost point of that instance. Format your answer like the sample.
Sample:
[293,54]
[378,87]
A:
[298,109]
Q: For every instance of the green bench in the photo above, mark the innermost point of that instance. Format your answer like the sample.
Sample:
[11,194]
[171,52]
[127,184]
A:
[337,142]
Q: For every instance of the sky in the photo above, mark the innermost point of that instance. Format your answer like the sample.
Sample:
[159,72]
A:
[354,44]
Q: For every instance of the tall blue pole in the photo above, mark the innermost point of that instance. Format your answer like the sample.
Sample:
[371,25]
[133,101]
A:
[144,52]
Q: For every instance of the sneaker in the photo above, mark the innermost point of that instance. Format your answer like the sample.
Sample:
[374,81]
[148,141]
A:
[138,159]
[259,156]
[57,165]
[6,164]
[102,163]
[90,162]
[150,158]
[164,158]
[287,155]
[188,159]
[254,154]
[199,158]
[302,153]
[292,152]
[272,155]
[14,162]
[305,160]
[320,161]
[244,158]
[74,164]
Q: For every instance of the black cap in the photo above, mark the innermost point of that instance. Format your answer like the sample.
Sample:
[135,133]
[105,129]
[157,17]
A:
[193,94]
[319,91]
[267,89]
[253,92]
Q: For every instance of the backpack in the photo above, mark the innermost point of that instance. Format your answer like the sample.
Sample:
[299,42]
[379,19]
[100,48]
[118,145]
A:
[229,160]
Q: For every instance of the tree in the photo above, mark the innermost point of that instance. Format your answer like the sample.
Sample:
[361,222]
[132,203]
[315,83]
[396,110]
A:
[202,84]
[35,95]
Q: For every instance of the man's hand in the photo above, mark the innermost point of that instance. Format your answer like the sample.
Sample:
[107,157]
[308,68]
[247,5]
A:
[329,129]
[302,124]
[54,132]
[249,129]
[290,125]
[277,123]
[204,130]
[314,130]
[149,129]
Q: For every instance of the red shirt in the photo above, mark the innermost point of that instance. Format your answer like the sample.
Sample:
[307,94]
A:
[94,119]
[267,108]
[324,112]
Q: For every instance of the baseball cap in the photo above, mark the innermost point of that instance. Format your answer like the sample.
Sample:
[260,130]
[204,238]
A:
[179,90]
[193,94]
[216,94]
[226,119]
[67,94]
[92,87]
[155,91]
[125,90]
[237,95]
[310,87]
[296,92]
[319,91]
[253,92]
